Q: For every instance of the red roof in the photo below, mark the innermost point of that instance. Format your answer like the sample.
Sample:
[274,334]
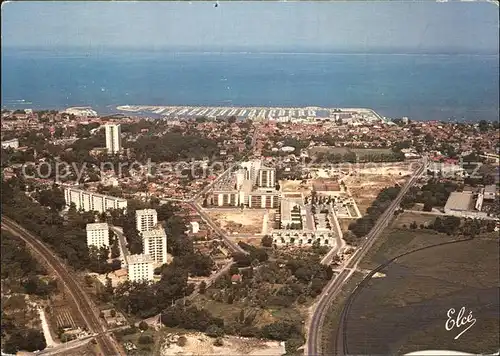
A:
[236,278]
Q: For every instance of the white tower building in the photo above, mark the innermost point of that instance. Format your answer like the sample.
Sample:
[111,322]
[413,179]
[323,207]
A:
[113,138]
[97,235]
[140,268]
[155,244]
[146,219]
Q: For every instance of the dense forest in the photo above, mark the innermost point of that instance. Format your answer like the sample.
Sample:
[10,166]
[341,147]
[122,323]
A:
[21,274]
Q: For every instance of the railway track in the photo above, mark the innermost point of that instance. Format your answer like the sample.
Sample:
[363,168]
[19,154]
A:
[83,304]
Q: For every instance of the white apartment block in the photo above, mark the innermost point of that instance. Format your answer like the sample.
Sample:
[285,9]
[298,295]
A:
[146,219]
[302,237]
[155,244]
[113,138]
[14,143]
[194,227]
[89,201]
[97,235]
[267,177]
[140,268]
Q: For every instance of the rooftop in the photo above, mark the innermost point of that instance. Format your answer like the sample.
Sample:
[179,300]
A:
[459,201]
[76,190]
[145,212]
[154,233]
[490,188]
[132,259]
[96,226]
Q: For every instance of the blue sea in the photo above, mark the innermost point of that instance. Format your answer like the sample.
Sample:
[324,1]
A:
[420,86]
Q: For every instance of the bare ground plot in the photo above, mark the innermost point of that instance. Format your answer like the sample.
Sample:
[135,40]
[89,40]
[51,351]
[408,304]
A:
[294,186]
[393,172]
[364,188]
[252,240]
[237,221]
[62,315]
[344,224]
[200,344]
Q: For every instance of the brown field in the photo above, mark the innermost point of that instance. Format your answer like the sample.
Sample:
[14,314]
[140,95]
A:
[241,222]
[294,186]
[62,314]
[365,187]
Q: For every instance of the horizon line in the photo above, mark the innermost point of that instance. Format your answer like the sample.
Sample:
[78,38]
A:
[192,50]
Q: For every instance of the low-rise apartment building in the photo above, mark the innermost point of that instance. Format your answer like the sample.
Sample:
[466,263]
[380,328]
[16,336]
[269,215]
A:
[90,201]
[140,268]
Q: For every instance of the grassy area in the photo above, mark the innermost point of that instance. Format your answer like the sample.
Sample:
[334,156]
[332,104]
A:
[361,152]
[407,218]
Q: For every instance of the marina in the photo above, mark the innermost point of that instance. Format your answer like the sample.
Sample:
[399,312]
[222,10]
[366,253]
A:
[305,114]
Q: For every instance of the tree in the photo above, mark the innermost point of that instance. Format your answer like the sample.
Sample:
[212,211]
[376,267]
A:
[202,287]
[112,313]
[483,125]
[267,241]
[427,206]
[115,249]
[214,331]
[145,340]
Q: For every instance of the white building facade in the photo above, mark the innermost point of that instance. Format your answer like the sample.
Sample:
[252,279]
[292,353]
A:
[302,237]
[113,138]
[140,268]
[194,227]
[97,235]
[146,219]
[89,201]
[14,143]
[155,244]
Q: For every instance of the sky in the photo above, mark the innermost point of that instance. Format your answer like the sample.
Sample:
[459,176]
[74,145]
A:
[460,27]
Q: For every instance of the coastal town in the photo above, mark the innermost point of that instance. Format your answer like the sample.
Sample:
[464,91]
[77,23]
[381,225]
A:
[246,221]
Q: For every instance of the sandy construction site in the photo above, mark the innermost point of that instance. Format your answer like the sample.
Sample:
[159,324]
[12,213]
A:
[386,171]
[238,221]
[201,344]
[365,187]
[295,186]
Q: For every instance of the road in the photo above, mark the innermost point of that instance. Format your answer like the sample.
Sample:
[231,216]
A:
[233,246]
[122,242]
[88,312]
[339,241]
[314,339]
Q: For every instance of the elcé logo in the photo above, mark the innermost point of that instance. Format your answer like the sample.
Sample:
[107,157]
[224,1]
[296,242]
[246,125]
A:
[456,322]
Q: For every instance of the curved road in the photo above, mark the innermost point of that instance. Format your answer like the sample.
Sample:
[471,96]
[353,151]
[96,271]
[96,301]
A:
[88,312]
[313,346]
